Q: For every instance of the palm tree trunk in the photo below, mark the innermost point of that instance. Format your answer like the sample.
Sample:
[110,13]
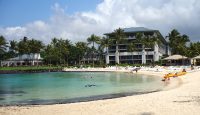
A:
[67,61]
[79,62]
[107,57]
[117,55]
[143,55]
[93,55]
[50,62]
[84,60]
[133,58]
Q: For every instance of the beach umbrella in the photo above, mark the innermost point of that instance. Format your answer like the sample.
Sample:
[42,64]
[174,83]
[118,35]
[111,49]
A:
[197,57]
[175,57]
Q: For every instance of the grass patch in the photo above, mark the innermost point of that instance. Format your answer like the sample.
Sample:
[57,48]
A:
[26,68]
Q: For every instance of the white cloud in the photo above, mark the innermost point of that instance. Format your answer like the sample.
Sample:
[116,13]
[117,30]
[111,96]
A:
[163,15]
[13,32]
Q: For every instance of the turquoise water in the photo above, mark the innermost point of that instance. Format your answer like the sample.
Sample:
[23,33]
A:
[64,87]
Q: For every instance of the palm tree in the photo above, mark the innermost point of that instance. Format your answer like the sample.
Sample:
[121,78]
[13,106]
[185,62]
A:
[132,47]
[13,45]
[147,41]
[194,49]
[177,42]
[23,47]
[54,42]
[119,36]
[12,49]
[3,45]
[58,51]
[63,48]
[35,47]
[105,43]
[92,40]
[182,45]
[82,48]
[52,53]
[66,50]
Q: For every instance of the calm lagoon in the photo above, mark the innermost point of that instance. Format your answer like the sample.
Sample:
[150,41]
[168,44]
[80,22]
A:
[67,87]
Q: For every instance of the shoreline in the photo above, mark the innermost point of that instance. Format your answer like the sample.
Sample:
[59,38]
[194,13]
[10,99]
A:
[84,99]
[90,98]
[181,100]
[29,71]
[176,83]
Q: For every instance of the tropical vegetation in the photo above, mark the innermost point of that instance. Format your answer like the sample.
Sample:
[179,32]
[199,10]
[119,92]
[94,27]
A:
[118,37]
[63,52]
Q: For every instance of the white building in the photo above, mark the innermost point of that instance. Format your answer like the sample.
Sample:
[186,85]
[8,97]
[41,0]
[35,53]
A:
[26,59]
[139,56]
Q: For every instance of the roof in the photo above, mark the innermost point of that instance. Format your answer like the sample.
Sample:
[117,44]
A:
[134,30]
[197,57]
[175,57]
[26,57]
[137,29]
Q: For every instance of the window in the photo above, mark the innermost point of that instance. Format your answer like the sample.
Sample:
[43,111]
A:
[137,56]
[149,56]
[111,57]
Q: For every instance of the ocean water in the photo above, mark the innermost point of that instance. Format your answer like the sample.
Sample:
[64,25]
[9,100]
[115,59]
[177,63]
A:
[66,87]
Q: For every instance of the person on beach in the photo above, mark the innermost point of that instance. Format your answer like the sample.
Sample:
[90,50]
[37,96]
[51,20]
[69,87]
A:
[192,67]
[136,70]
[166,77]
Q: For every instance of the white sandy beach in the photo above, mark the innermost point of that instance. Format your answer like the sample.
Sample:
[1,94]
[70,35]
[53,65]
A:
[182,97]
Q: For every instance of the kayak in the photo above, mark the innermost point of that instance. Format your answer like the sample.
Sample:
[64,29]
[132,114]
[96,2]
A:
[169,75]
[180,73]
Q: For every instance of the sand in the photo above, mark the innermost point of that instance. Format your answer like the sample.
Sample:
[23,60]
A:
[182,97]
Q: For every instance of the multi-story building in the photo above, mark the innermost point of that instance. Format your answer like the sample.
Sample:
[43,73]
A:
[138,56]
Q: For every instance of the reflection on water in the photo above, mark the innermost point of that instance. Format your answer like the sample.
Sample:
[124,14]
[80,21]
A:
[61,87]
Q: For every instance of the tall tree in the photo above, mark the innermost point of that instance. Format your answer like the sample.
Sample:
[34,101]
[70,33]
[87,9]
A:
[119,36]
[81,50]
[64,50]
[178,42]
[132,47]
[105,43]
[13,46]
[51,52]
[92,40]
[193,50]
[146,41]
[3,45]
[12,52]
[35,47]
[23,47]
[57,52]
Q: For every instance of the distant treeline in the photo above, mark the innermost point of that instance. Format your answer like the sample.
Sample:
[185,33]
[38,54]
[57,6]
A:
[63,52]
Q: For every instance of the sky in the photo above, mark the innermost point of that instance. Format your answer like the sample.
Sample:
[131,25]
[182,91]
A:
[76,20]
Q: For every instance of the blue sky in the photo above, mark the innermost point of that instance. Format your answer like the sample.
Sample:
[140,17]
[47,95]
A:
[20,12]
[76,20]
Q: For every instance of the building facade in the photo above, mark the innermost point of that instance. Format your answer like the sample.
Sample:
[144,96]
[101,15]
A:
[22,60]
[139,56]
